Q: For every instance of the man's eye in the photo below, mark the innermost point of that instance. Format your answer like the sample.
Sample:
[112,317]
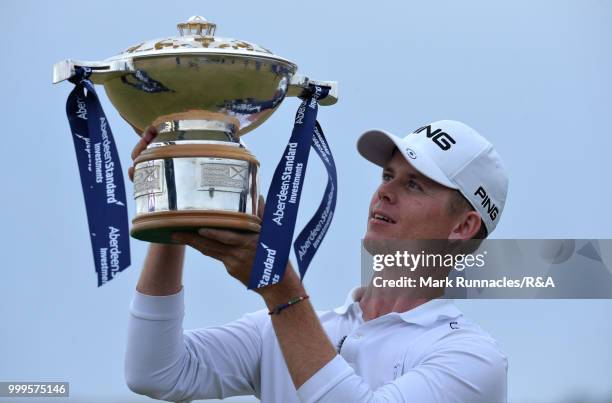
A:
[386,177]
[414,185]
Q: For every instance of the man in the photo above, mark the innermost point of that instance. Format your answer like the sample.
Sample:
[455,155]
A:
[443,181]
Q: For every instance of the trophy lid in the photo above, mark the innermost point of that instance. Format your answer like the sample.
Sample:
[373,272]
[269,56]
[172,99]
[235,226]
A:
[196,35]
[195,71]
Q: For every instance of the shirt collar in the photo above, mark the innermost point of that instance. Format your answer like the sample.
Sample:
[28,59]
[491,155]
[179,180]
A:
[350,299]
[423,315]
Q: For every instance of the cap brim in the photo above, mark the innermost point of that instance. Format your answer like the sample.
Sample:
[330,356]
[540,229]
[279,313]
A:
[377,147]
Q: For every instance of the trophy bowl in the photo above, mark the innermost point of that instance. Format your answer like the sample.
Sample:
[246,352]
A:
[202,93]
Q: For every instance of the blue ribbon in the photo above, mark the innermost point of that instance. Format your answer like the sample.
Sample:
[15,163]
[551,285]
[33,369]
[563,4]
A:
[101,178]
[308,241]
[284,195]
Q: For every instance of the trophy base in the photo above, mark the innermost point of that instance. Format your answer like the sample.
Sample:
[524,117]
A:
[159,226]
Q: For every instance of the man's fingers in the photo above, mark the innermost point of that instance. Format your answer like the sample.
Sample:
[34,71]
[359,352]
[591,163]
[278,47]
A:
[146,138]
[232,258]
[224,236]
[149,134]
[208,247]
[140,146]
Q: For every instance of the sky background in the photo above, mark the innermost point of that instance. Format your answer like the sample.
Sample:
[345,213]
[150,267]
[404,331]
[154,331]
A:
[532,76]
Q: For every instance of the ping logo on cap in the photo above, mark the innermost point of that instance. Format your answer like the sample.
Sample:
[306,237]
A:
[440,138]
[486,202]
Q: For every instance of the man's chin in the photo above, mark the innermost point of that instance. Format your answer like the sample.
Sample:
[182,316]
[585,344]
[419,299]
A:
[378,234]
[376,242]
[371,236]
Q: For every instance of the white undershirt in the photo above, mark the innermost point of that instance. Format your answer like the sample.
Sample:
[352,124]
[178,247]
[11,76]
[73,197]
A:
[429,354]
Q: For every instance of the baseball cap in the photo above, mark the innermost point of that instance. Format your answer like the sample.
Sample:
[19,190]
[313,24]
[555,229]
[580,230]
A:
[452,154]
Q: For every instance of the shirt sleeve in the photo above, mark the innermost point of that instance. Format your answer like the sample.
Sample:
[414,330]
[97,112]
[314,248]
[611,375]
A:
[163,362]
[464,371]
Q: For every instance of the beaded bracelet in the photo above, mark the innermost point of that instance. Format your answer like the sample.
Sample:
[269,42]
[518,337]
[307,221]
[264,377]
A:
[280,307]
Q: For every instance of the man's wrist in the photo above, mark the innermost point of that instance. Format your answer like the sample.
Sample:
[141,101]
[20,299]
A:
[172,247]
[290,287]
[162,271]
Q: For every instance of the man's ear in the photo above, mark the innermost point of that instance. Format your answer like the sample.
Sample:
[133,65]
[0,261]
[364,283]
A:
[466,227]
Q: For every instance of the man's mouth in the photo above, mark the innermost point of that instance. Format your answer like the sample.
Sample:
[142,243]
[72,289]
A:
[378,216]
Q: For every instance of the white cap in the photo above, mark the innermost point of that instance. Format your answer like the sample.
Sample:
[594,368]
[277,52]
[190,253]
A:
[452,154]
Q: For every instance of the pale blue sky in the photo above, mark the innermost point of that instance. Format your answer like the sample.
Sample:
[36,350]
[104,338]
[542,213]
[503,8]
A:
[532,76]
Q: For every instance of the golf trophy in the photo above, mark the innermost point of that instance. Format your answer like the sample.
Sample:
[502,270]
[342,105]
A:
[202,93]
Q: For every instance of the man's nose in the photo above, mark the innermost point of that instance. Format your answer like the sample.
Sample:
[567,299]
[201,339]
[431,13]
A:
[386,192]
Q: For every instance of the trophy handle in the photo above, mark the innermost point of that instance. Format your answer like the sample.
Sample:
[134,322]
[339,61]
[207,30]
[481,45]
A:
[299,83]
[100,71]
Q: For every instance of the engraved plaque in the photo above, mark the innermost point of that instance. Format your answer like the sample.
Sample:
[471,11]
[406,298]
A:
[223,176]
[148,178]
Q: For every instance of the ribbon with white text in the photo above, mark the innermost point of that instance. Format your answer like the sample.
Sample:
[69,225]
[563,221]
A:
[101,178]
[282,201]
[309,240]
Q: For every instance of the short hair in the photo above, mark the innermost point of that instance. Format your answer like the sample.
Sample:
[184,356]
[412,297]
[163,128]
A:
[458,204]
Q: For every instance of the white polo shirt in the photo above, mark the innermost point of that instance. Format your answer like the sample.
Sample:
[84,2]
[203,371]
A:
[429,354]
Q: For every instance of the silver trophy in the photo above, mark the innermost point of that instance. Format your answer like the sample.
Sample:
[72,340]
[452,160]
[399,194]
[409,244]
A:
[203,93]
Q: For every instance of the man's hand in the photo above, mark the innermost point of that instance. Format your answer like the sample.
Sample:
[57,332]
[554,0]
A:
[146,138]
[236,249]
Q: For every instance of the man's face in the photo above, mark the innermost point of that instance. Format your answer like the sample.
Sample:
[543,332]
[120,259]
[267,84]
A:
[408,205]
